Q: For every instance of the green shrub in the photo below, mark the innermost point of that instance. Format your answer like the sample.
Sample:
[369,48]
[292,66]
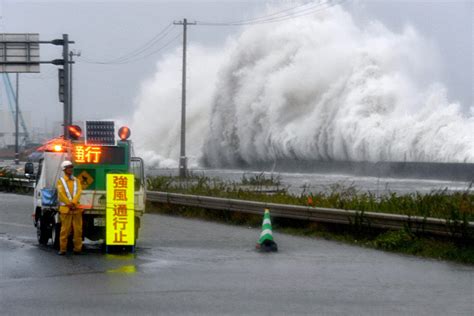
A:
[394,240]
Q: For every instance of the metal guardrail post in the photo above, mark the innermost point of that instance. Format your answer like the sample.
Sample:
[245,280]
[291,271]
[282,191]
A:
[431,225]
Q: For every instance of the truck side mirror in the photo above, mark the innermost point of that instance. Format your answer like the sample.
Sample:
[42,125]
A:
[29,168]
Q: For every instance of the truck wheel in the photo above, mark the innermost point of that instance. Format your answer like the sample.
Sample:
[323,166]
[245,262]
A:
[42,231]
[55,237]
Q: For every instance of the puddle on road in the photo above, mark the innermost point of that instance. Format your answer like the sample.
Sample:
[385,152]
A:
[95,260]
[129,268]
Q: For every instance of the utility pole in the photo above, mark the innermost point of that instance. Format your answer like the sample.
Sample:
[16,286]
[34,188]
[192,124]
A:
[17,116]
[67,99]
[71,54]
[182,156]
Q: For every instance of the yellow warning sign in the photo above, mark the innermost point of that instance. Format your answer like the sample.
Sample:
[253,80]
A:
[119,218]
[86,179]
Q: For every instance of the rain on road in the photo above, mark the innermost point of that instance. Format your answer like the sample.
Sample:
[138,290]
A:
[186,266]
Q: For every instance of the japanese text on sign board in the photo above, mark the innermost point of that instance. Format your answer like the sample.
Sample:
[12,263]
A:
[111,155]
[120,224]
[87,154]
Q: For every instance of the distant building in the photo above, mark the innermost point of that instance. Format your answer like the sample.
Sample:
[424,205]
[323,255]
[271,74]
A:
[7,128]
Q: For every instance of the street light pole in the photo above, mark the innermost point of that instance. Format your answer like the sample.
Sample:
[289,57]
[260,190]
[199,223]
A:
[17,116]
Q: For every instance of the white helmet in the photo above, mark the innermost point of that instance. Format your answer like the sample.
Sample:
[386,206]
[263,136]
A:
[65,164]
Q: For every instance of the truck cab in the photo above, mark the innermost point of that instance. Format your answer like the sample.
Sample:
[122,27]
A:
[91,165]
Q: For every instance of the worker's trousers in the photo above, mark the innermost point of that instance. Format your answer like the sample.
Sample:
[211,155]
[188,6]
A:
[71,221]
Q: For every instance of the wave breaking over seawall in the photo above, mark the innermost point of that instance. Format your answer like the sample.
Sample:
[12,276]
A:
[320,87]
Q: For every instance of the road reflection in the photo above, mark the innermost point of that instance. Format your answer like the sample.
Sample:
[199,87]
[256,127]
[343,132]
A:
[128,268]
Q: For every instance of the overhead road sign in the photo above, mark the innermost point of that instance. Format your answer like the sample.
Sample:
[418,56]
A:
[19,52]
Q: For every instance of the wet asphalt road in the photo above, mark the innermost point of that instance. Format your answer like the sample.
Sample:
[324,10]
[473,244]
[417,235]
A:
[193,267]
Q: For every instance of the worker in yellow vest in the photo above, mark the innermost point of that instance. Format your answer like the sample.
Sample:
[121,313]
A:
[69,193]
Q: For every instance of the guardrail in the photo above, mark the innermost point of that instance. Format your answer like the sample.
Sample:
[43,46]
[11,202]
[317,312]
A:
[430,225]
[11,184]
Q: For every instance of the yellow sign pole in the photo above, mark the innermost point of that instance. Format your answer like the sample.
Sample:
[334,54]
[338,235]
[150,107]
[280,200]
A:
[120,212]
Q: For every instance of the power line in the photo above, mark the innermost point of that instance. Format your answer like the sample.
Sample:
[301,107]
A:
[302,13]
[279,16]
[239,22]
[136,52]
[129,55]
[161,35]
[178,35]
[132,60]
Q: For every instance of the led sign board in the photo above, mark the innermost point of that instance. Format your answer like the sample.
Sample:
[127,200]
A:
[83,154]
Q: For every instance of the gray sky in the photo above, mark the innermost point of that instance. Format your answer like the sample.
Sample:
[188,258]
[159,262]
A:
[110,29]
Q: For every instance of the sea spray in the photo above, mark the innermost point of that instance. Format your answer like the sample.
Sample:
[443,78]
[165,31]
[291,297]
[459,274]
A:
[319,87]
[157,121]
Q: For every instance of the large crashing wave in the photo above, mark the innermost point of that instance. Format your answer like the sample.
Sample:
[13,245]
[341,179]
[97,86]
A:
[316,88]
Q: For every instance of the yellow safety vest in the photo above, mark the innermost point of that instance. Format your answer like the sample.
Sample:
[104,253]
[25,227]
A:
[65,186]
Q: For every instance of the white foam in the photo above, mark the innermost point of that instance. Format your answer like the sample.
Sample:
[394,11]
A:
[316,87]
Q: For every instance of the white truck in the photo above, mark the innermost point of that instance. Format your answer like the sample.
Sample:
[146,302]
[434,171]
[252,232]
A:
[91,165]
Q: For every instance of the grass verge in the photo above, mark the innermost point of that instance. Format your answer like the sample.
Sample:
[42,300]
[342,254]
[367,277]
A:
[453,206]
[457,207]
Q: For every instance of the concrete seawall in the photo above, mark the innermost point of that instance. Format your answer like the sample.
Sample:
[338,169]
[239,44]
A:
[417,170]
